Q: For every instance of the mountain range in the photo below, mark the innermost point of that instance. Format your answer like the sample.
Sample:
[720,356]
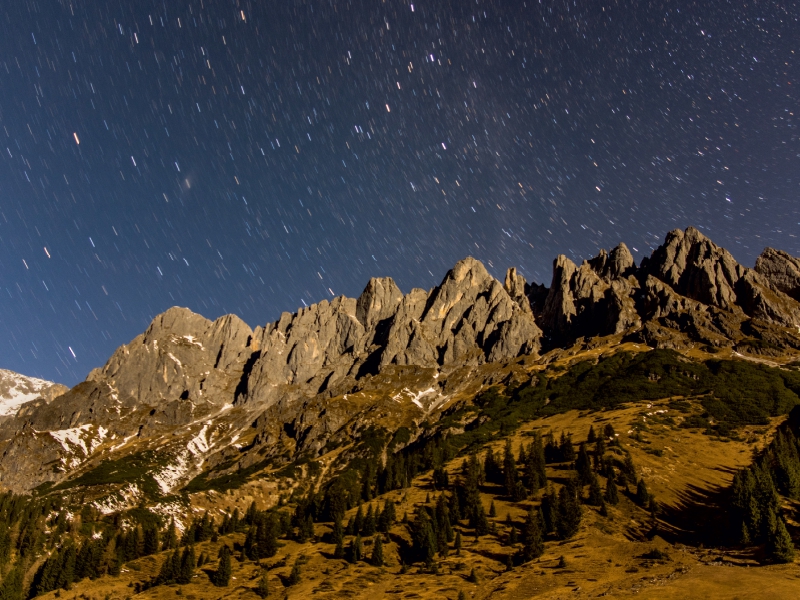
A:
[689,347]
[216,397]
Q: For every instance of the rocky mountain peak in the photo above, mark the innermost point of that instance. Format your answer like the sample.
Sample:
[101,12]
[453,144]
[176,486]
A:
[378,301]
[781,269]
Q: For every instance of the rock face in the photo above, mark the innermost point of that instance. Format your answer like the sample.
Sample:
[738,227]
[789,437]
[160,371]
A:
[782,270]
[189,387]
[594,299]
[469,318]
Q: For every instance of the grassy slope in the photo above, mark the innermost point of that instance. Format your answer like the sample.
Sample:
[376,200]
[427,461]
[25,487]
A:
[605,556]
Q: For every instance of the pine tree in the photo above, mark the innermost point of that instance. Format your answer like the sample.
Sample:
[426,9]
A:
[492,510]
[583,465]
[222,577]
[780,544]
[481,524]
[356,549]
[642,495]
[611,496]
[338,552]
[358,522]
[262,589]
[569,511]
[457,543]
[550,510]
[376,560]
[595,493]
[494,473]
[370,525]
[566,449]
[12,586]
[188,563]
[509,470]
[592,437]
[532,538]
[171,537]
[473,576]
[423,538]
[295,576]
[337,535]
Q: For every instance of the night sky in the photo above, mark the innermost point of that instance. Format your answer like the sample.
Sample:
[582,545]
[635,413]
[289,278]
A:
[254,156]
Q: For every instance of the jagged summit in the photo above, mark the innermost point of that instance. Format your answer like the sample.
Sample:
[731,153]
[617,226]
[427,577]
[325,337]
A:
[190,387]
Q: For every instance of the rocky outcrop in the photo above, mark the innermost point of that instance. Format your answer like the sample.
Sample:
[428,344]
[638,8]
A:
[782,270]
[595,299]
[697,268]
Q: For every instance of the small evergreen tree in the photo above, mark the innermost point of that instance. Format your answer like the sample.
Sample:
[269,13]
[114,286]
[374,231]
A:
[457,543]
[642,495]
[569,511]
[295,576]
[187,566]
[492,510]
[222,576]
[532,538]
[595,493]
[262,589]
[779,543]
[376,560]
[611,496]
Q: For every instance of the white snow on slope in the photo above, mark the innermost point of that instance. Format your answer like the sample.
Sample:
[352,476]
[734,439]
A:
[21,389]
[184,461]
[77,437]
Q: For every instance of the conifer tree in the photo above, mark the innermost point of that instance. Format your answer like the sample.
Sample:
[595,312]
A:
[370,525]
[509,470]
[642,495]
[12,586]
[356,549]
[779,543]
[337,534]
[595,493]
[592,437]
[358,522]
[569,511]
[600,448]
[532,537]
[550,510]
[171,537]
[262,589]
[222,577]
[492,510]
[493,470]
[423,538]
[296,575]
[583,465]
[566,449]
[481,523]
[188,563]
[338,552]
[457,543]
[376,560]
[611,496]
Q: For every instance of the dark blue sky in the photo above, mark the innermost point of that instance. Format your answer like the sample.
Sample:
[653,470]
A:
[249,157]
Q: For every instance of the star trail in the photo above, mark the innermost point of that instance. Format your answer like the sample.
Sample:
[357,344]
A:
[255,157]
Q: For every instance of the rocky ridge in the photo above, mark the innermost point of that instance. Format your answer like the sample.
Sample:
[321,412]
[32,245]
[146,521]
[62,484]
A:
[198,396]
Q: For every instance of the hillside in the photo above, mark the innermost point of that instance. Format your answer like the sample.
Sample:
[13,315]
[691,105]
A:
[631,412]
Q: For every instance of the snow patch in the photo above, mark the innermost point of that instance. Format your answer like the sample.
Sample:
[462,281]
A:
[190,339]
[125,498]
[175,359]
[21,389]
[184,461]
[71,439]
